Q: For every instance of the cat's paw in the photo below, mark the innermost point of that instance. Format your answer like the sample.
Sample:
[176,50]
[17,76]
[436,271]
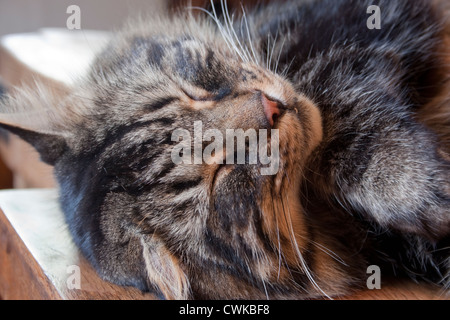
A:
[406,187]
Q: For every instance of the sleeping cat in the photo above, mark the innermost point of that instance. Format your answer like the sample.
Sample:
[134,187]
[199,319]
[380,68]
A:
[363,177]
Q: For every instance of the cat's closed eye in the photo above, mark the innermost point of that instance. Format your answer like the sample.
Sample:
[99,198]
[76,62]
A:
[202,96]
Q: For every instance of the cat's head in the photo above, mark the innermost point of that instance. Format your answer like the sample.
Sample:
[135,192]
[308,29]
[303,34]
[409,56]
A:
[146,207]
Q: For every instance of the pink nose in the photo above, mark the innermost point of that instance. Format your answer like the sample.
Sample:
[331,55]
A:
[271,109]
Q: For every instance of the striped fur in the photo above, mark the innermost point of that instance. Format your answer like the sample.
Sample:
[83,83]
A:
[364,172]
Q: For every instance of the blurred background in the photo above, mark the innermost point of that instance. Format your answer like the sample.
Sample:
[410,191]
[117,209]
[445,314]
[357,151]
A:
[30,15]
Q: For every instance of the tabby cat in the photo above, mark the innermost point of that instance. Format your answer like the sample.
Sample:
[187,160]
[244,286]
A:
[364,169]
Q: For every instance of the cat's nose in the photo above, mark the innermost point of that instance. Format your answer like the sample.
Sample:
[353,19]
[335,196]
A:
[272,108]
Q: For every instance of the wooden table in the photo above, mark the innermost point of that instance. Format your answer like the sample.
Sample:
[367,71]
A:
[38,259]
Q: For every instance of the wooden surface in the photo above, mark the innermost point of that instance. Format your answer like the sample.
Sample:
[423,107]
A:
[37,257]
[37,254]
[393,289]
[6,179]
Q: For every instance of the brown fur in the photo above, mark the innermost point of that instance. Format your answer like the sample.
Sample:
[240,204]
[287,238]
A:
[360,181]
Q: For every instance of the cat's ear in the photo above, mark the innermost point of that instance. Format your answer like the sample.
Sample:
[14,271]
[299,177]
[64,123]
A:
[164,271]
[37,116]
[50,147]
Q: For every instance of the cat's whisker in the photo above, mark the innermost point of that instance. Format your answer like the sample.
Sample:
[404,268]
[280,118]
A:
[287,67]
[228,40]
[229,22]
[265,289]
[329,252]
[321,247]
[232,41]
[272,51]
[302,263]
[279,55]
[278,238]
[244,18]
[246,49]
[267,53]
[280,251]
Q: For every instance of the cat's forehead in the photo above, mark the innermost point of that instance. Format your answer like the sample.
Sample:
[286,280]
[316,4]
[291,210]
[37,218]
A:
[178,63]
[191,59]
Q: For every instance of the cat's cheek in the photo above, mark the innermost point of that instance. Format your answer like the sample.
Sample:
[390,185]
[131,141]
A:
[332,278]
[313,124]
[283,218]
